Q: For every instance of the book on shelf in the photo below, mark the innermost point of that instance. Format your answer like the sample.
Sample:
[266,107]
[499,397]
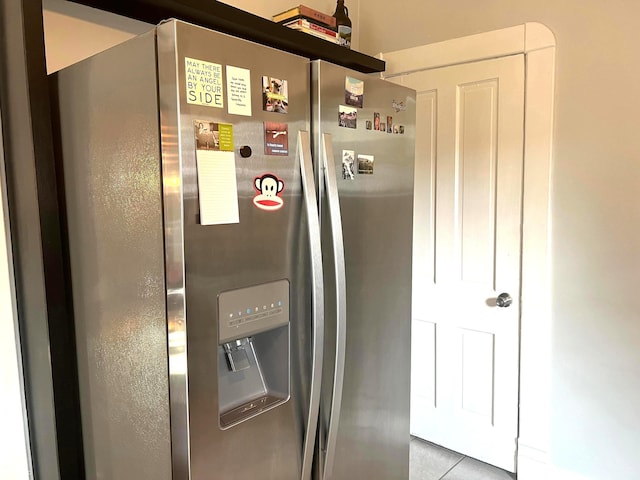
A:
[316,33]
[311,20]
[301,23]
[307,13]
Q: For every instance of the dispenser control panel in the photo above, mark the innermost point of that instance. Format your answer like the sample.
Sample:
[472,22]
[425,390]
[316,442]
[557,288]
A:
[247,311]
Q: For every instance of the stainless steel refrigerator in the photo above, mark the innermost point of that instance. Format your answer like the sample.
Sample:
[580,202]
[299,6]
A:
[239,225]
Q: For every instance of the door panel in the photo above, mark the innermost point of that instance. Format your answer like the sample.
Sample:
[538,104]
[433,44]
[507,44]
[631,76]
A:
[262,247]
[376,210]
[476,171]
[466,252]
[477,373]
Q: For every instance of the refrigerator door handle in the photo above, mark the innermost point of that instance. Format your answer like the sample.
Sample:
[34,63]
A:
[303,153]
[341,300]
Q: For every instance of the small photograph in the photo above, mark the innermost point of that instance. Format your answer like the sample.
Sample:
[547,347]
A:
[389,124]
[401,129]
[368,124]
[275,95]
[348,117]
[365,164]
[396,129]
[383,127]
[376,121]
[348,164]
[207,135]
[353,92]
[398,106]
[276,138]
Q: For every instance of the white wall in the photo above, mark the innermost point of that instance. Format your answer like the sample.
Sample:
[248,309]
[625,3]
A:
[595,240]
[74,32]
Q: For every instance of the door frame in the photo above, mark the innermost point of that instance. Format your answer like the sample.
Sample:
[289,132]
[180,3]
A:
[537,43]
[16,457]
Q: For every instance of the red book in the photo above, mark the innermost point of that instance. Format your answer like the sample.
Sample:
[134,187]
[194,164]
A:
[307,25]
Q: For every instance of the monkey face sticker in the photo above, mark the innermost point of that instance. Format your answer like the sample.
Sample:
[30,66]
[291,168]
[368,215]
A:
[268,188]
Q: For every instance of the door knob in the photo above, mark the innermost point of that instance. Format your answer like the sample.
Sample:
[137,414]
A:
[504,300]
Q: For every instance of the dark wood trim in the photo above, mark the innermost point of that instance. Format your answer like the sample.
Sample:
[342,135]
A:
[233,21]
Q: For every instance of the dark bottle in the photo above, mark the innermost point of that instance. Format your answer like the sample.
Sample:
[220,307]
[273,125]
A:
[343,23]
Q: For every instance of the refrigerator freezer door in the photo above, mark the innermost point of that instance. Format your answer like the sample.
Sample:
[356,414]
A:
[375,183]
[264,240]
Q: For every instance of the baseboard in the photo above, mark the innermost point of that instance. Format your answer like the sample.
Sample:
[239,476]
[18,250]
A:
[533,464]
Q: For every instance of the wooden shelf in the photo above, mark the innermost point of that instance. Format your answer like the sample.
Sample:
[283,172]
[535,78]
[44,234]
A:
[233,21]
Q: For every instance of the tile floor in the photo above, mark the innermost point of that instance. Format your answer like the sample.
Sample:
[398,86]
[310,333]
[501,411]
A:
[432,462]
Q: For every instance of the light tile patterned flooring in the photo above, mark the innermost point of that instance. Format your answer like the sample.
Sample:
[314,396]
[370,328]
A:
[432,462]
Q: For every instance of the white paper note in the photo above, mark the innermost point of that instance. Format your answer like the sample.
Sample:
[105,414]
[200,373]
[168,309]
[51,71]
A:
[239,91]
[217,187]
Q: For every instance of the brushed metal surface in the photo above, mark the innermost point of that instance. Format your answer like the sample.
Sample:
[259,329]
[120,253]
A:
[111,158]
[172,196]
[262,247]
[317,288]
[373,435]
[337,246]
[116,199]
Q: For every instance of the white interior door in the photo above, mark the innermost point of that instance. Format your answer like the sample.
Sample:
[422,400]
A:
[467,246]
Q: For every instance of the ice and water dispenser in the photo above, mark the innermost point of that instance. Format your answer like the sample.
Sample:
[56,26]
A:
[253,351]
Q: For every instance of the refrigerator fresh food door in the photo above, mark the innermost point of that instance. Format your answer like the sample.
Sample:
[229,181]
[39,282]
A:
[241,301]
[340,307]
[375,184]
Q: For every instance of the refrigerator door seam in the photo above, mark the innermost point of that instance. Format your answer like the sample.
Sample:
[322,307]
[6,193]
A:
[341,300]
[303,153]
